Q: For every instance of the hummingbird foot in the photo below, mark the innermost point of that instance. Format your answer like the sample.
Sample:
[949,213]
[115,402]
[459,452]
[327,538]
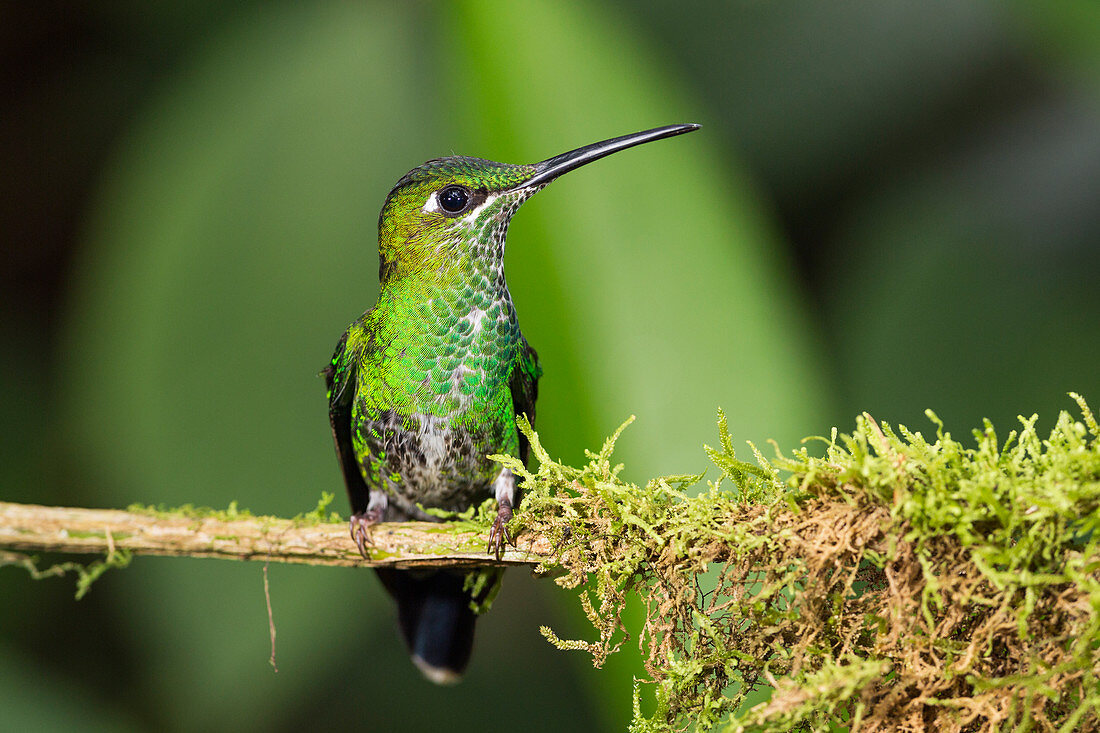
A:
[360,525]
[498,535]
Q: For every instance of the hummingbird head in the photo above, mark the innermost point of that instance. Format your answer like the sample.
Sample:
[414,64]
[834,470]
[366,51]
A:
[454,212]
[447,211]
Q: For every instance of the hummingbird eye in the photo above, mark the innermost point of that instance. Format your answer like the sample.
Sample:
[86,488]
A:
[453,199]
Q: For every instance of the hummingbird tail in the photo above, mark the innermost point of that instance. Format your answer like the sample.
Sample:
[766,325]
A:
[436,620]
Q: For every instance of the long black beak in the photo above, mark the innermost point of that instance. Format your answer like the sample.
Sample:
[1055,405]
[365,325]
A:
[550,169]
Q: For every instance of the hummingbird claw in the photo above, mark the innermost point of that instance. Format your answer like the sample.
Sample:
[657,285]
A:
[360,525]
[498,535]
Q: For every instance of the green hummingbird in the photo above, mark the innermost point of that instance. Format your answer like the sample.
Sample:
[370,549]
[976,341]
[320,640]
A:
[428,383]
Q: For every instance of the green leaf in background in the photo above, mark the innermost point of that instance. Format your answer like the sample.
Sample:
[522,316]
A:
[650,281]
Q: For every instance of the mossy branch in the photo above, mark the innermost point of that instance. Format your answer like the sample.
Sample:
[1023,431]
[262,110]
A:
[237,535]
[893,582]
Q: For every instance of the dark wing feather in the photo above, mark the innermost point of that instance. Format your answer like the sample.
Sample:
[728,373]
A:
[340,378]
[525,390]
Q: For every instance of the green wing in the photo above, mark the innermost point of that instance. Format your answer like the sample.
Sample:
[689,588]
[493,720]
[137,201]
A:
[525,390]
[340,378]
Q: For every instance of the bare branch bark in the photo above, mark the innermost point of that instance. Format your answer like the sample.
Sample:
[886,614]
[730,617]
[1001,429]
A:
[29,527]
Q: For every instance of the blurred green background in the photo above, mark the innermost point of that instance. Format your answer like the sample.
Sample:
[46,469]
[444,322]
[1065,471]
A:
[891,206]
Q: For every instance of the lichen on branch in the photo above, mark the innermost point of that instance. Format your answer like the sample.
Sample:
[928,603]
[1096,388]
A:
[894,582]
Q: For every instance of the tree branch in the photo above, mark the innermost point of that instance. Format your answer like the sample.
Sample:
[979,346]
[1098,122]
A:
[34,528]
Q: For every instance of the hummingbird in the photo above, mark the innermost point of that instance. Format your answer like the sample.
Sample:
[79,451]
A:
[428,383]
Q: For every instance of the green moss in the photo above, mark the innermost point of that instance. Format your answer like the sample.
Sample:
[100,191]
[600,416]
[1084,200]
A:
[472,518]
[320,513]
[85,574]
[889,581]
[189,511]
